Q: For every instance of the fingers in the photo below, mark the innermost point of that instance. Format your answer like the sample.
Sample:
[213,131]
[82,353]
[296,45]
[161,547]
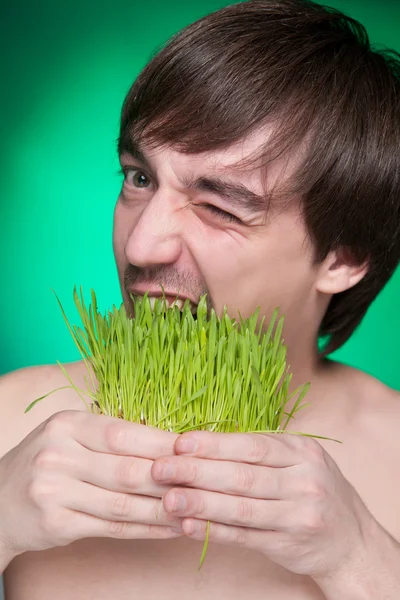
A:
[118,473]
[87,526]
[229,510]
[116,506]
[273,450]
[228,477]
[116,436]
[109,435]
[219,533]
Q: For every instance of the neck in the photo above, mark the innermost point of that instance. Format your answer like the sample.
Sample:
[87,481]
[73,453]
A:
[306,366]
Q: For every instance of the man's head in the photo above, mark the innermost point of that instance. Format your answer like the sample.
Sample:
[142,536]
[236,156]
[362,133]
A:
[280,114]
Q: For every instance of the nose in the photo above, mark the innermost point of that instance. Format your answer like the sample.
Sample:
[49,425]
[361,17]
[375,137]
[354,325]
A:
[155,237]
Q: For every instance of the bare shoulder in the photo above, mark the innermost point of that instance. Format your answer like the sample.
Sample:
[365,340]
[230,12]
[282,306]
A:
[369,414]
[19,388]
[378,408]
[369,456]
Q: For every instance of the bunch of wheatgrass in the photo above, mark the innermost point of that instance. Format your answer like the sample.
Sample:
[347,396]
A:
[170,369]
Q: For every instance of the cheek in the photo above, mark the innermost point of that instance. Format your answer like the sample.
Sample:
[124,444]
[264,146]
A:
[223,259]
[287,281]
[120,235]
[271,270]
[213,242]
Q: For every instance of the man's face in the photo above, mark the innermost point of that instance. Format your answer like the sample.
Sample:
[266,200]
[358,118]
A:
[195,225]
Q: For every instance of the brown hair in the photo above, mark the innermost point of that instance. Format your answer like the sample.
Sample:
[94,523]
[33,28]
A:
[310,70]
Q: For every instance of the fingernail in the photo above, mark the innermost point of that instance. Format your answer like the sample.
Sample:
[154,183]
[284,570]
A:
[190,526]
[188,445]
[167,472]
[179,502]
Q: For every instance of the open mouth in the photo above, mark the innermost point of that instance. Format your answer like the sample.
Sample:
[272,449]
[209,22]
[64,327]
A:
[179,302]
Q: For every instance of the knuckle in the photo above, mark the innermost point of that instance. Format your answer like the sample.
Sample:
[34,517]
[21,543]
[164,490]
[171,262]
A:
[118,529]
[258,448]
[314,449]
[115,437]
[245,512]
[245,479]
[188,473]
[126,474]
[121,506]
[198,505]
[59,424]
[47,458]
[312,522]
[314,489]
[279,483]
[242,537]
[192,474]
[39,492]
[160,532]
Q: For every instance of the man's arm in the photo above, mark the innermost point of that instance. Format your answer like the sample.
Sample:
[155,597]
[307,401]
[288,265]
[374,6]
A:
[19,388]
[284,496]
[371,576]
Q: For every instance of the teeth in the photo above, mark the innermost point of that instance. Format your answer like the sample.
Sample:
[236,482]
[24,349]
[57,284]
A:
[179,302]
[152,302]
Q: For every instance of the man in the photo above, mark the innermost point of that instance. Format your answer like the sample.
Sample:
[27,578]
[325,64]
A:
[260,166]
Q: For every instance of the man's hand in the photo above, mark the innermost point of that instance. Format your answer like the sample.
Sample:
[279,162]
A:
[80,475]
[279,494]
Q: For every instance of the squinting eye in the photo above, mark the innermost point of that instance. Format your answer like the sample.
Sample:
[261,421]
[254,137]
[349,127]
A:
[136,178]
[222,213]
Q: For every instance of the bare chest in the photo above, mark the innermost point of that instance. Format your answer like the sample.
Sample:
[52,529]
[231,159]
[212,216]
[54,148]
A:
[122,570]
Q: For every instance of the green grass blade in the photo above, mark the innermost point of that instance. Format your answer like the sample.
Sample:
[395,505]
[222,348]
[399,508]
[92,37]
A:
[205,547]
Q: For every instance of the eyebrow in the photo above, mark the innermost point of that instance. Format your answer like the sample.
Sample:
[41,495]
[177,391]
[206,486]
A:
[132,147]
[236,193]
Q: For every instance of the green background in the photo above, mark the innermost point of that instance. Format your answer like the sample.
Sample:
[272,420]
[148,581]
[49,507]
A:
[65,69]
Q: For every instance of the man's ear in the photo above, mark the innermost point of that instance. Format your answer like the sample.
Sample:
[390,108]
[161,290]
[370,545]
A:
[339,272]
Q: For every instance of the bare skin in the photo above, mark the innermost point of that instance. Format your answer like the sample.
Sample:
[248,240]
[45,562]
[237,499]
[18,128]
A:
[357,409]
[169,230]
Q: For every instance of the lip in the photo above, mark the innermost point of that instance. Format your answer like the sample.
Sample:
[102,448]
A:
[157,294]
